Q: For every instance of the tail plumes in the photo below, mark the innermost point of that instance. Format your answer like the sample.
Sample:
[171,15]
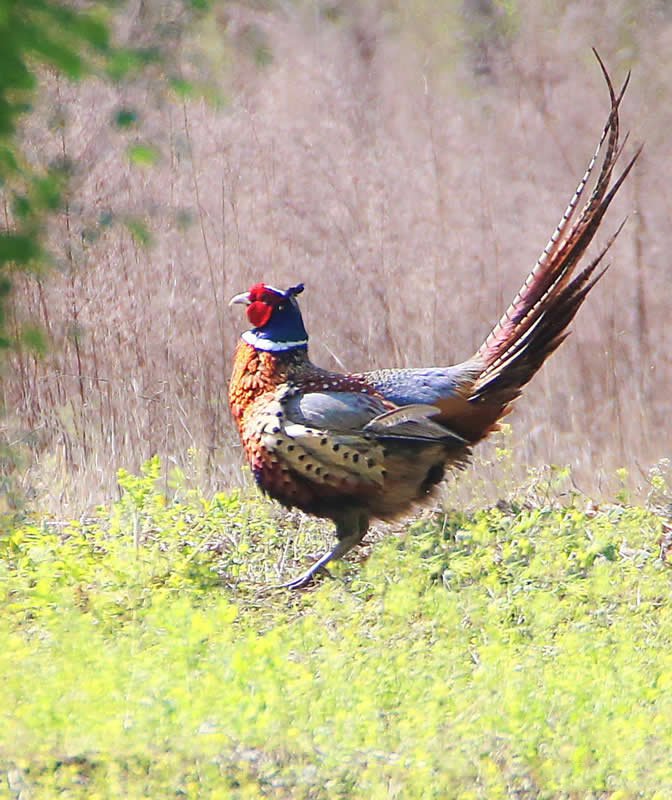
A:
[535,323]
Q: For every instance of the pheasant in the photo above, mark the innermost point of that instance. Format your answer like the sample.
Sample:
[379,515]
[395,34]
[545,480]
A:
[357,447]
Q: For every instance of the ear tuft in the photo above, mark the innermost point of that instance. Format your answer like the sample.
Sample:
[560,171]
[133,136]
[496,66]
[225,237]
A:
[294,290]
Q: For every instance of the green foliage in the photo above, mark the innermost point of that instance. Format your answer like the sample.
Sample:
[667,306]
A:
[139,231]
[74,42]
[509,653]
[34,33]
[143,155]
[126,118]
[71,41]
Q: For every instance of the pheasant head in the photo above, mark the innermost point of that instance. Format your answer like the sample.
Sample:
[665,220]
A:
[275,317]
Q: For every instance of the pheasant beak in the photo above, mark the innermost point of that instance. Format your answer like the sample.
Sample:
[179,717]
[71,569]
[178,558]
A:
[243,298]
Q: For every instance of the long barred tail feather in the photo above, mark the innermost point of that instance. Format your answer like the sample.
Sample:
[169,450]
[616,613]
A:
[535,323]
[530,352]
[567,244]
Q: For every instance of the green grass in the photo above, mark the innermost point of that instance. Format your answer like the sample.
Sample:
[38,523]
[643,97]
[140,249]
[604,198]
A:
[515,652]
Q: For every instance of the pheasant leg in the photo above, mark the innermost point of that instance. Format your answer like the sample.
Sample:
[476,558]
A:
[347,539]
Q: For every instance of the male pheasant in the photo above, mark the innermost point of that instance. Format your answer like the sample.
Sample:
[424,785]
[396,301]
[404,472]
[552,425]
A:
[354,447]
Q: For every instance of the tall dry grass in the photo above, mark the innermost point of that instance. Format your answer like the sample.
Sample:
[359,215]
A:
[408,165]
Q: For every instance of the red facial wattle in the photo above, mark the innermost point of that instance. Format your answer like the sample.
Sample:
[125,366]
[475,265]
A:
[262,304]
[259,313]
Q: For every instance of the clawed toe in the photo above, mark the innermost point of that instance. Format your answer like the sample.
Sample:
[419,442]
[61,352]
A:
[347,539]
[307,579]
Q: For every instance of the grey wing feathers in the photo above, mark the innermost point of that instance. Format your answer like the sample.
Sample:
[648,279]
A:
[352,412]
[336,411]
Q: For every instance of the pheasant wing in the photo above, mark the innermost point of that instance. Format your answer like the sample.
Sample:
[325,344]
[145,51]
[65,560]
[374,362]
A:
[336,437]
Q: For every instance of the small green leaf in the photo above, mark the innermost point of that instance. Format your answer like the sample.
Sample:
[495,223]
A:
[125,118]
[92,30]
[263,55]
[7,160]
[181,87]
[143,155]
[139,231]
[21,206]
[34,339]
[120,63]
[48,191]
[60,55]
[18,248]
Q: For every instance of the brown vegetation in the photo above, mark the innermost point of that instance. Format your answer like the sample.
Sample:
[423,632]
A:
[408,165]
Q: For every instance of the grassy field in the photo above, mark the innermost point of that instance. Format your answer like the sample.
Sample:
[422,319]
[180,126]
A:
[519,651]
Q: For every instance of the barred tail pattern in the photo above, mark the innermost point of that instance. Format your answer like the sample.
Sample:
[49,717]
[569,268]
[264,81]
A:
[535,323]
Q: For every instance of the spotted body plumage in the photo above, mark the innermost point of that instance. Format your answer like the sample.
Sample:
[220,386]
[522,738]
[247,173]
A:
[296,463]
[354,447]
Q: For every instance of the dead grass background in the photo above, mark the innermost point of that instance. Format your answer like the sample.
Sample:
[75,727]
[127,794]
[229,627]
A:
[408,162]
